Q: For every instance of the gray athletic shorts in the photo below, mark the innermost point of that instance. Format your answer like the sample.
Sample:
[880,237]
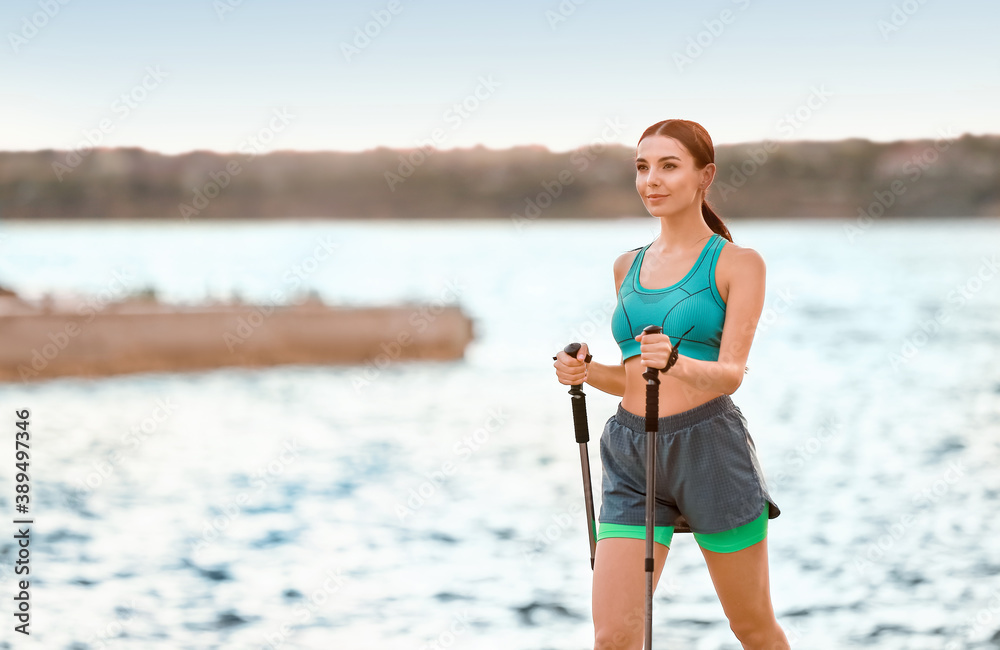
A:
[706,469]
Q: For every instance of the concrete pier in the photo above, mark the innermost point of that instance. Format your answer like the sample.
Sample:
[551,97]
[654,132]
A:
[40,341]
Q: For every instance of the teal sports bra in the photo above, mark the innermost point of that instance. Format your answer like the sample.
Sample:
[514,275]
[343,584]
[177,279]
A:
[691,311]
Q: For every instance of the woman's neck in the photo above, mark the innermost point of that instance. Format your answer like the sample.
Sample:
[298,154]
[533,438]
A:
[679,233]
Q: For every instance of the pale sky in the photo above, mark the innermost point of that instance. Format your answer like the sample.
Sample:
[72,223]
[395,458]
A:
[221,74]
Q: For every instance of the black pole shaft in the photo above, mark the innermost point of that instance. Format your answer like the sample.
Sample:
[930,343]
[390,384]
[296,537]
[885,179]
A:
[652,377]
[588,497]
[582,431]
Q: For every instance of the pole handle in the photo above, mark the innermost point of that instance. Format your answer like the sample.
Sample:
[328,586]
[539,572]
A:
[572,349]
[579,403]
[652,374]
[579,399]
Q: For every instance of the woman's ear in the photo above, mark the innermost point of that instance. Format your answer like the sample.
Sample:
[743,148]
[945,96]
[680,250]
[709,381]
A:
[708,175]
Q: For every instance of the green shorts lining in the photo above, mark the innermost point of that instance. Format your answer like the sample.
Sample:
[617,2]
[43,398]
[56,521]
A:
[661,534]
[728,541]
[737,539]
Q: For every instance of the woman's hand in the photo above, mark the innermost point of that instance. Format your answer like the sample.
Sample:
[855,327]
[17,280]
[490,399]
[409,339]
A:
[570,370]
[655,349]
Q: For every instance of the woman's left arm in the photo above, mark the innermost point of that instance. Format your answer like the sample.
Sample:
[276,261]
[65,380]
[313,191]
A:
[744,272]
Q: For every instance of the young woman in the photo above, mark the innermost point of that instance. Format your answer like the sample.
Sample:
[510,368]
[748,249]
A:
[707,294]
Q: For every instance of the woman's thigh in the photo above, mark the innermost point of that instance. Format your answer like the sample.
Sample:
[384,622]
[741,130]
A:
[619,596]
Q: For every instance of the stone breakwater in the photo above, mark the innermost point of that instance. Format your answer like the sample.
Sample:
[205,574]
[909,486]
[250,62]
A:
[44,340]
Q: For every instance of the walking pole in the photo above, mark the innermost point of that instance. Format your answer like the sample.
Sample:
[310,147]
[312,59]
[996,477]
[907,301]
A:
[579,401]
[652,377]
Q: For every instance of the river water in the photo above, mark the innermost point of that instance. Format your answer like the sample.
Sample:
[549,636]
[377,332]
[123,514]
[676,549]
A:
[438,504]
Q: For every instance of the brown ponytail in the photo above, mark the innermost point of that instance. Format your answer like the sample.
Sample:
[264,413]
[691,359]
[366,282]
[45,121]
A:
[714,221]
[696,139]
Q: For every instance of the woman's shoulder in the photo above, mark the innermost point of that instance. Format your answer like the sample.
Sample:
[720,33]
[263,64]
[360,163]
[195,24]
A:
[738,260]
[623,263]
[626,258]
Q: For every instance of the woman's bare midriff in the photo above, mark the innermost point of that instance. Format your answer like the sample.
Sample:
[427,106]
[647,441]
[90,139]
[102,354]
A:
[676,396]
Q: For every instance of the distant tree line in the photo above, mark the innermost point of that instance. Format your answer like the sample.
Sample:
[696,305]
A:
[956,176]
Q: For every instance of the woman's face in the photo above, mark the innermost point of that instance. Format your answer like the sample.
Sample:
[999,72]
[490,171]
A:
[666,177]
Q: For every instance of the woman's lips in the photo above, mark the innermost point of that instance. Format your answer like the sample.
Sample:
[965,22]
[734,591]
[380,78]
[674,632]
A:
[657,198]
